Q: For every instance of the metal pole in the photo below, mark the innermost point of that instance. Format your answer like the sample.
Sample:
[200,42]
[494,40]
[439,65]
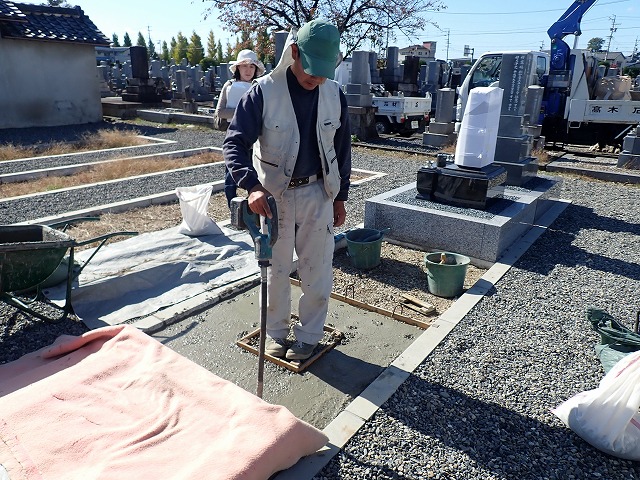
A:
[263,324]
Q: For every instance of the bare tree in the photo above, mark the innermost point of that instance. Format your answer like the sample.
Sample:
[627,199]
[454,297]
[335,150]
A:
[357,20]
[57,3]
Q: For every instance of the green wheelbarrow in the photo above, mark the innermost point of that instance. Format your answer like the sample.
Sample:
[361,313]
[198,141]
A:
[32,256]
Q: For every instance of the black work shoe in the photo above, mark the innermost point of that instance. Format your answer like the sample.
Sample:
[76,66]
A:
[301,351]
[276,347]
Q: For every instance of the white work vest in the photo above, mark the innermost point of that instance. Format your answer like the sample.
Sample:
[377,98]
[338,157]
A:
[276,150]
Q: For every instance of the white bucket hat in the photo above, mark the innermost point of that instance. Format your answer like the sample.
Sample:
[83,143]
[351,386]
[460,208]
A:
[247,56]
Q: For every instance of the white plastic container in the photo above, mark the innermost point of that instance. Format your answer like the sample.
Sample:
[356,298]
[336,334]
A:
[235,93]
[476,146]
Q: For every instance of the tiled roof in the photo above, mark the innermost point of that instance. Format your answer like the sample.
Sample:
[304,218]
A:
[8,11]
[52,24]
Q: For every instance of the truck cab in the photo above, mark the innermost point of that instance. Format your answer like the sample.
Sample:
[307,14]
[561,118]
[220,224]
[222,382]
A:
[485,72]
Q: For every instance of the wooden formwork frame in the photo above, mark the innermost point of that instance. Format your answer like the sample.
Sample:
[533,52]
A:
[372,308]
[248,341]
[335,337]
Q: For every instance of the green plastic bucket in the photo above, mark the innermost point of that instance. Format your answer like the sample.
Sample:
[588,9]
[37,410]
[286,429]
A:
[446,279]
[364,254]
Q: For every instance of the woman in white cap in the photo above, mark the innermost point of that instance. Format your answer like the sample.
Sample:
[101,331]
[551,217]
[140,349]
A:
[245,69]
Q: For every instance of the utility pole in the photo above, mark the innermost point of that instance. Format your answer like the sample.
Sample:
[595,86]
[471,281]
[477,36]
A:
[448,34]
[612,30]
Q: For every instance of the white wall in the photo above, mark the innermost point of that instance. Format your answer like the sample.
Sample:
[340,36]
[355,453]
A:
[48,84]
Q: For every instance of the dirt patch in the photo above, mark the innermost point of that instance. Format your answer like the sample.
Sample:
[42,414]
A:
[401,269]
[101,172]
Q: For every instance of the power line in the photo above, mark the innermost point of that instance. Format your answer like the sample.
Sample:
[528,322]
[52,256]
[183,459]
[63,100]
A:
[519,13]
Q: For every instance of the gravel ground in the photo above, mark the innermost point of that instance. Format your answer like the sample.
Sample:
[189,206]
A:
[479,406]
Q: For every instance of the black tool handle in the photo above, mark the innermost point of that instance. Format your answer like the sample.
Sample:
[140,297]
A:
[273,227]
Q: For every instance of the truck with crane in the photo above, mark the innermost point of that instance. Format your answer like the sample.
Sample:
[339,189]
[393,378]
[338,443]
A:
[574,110]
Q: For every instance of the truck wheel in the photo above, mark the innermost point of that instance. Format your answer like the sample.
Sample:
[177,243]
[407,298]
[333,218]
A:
[383,126]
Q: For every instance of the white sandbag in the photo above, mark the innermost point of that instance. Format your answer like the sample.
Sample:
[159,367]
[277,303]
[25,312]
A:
[607,417]
[194,202]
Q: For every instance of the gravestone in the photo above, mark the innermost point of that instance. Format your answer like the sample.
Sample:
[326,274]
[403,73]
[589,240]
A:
[103,76]
[513,144]
[440,131]
[224,73]
[532,113]
[358,95]
[473,178]
[629,158]
[156,68]
[138,88]
[392,74]
[280,38]
[409,82]
[179,89]
[376,78]
[139,63]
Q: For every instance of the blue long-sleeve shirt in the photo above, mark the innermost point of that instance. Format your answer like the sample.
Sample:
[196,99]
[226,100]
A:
[246,127]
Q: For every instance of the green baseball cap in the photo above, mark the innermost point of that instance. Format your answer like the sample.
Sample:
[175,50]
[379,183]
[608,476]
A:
[319,45]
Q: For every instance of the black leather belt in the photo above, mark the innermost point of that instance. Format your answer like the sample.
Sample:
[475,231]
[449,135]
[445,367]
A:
[301,181]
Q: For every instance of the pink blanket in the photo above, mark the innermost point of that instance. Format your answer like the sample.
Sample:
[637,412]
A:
[115,403]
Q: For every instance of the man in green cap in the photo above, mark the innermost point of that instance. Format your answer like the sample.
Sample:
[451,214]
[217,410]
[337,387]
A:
[296,120]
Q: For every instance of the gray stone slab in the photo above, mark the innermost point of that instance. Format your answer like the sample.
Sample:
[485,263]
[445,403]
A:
[360,67]
[514,80]
[534,130]
[441,128]
[482,235]
[519,172]
[629,161]
[510,125]
[445,100]
[358,88]
[359,100]
[631,144]
[510,149]
[437,139]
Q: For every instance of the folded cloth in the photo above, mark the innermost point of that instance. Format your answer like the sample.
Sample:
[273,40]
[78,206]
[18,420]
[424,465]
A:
[116,403]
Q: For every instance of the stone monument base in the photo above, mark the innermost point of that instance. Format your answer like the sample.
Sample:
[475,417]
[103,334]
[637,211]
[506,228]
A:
[519,172]
[460,186]
[362,121]
[482,235]
[629,161]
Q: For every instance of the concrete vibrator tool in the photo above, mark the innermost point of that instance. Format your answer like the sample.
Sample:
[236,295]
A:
[264,232]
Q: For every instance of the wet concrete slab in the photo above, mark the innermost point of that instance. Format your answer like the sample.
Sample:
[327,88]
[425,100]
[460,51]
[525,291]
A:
[317,395]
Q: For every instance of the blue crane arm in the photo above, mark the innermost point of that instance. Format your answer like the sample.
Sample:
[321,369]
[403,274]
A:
[567,24]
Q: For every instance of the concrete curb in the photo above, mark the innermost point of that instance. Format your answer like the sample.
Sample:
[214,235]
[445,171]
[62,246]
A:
[157,199]
[621,177]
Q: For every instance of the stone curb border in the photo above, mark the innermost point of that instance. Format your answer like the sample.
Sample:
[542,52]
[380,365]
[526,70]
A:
[622,177]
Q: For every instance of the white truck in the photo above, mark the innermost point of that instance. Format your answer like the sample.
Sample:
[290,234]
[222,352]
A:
[402,115]
[575,106]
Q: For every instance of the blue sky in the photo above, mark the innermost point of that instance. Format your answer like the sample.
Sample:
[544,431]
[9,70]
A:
[484,26]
